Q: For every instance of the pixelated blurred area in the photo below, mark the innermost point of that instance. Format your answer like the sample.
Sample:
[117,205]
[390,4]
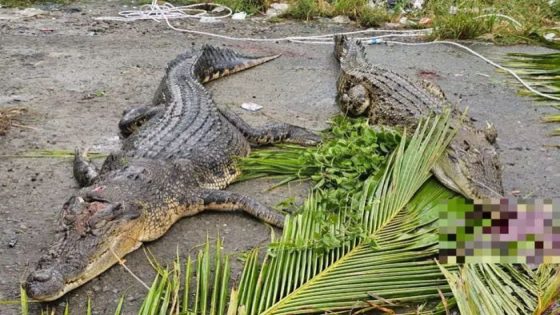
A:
[504,230]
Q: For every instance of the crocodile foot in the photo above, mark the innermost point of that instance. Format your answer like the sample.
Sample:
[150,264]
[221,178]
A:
[272,133]
[134,118]
[85,172]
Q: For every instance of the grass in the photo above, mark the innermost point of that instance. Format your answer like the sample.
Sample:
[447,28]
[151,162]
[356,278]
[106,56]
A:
[10,117]
[28,3]
[479,18]
[468,22]
[248,6]
[462,25]
[357,10]
[56,154]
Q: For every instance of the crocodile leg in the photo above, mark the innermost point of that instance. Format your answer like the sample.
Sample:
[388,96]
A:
[272,133]
[133,118]
[85,171]
[221,200]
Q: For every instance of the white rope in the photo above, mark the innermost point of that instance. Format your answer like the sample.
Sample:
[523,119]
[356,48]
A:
[167,11]
[157,12]
[517,77]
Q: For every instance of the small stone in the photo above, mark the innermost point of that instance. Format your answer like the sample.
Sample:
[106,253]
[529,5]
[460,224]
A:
[29,12]
[425,21]
[239,16]
[277,9]
[280,6]
[72,10]
[208,19]
[218,9]
[341,19]
[12,243]
[549,36]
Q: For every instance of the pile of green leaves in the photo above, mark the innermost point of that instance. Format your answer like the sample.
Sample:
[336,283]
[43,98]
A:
[351,152]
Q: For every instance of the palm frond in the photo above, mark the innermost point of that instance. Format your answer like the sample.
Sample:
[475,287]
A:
[210,295]
[502,289]
[542,71]
[391,263]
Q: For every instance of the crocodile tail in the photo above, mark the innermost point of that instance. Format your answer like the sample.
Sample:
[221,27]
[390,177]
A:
[216,62]
[346,49]
[340,47]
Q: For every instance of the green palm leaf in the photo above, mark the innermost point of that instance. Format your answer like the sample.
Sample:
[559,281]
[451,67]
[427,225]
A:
[500,289]
[390,264]
[211,287]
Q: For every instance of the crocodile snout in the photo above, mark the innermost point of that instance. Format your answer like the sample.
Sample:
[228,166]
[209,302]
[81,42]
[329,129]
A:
[44,285]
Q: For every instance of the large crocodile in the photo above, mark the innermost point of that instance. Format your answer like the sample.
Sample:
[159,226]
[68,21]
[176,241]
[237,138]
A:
[173,165]
[470,166]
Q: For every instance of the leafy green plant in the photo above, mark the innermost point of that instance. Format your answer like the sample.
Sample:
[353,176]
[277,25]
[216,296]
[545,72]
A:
[351,152]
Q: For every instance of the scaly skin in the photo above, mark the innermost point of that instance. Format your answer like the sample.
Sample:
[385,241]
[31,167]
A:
[471,165]
[177,154]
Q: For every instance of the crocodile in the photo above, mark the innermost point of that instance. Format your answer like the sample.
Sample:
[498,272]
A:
[470,166]
[178,153]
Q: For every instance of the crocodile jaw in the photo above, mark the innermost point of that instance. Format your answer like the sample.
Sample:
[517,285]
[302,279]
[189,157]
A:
[457,176]
[96,236]
[95,268]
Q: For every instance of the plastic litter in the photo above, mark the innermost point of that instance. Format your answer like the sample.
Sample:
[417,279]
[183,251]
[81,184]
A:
[252,107]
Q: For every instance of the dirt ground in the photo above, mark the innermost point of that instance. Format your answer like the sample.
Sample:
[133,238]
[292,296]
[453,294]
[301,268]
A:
[77,75]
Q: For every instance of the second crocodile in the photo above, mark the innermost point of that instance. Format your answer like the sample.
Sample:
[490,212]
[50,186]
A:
[470,166]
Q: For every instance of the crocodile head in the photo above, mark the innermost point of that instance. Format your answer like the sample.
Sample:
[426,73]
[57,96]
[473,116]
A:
[95,233]
[471,165]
